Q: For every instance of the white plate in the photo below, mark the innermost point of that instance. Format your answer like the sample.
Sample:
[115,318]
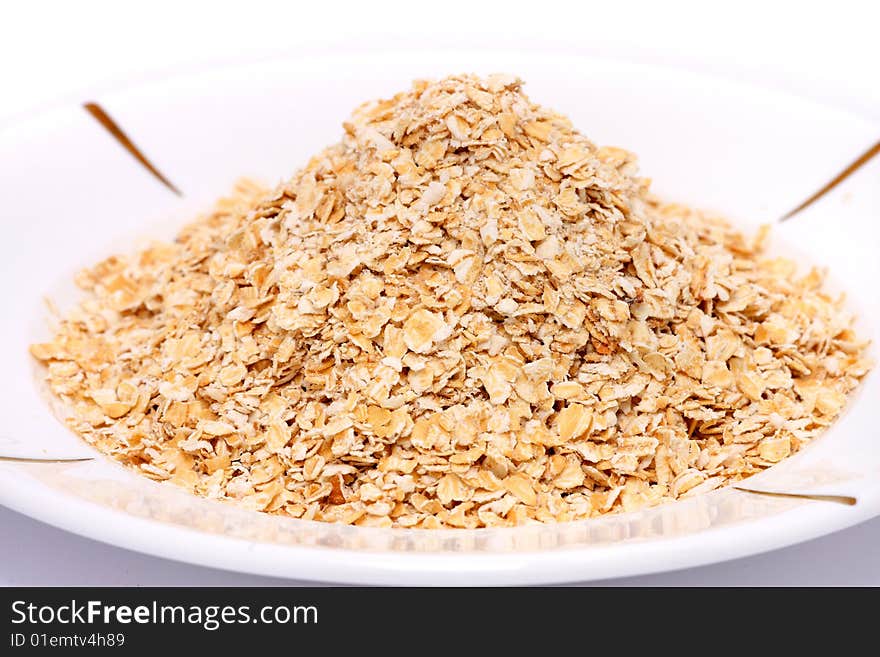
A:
[71,195]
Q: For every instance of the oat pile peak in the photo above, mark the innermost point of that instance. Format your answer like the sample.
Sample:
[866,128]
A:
[463,314]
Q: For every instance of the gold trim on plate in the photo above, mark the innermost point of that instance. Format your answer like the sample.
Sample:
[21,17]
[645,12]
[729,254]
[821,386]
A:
[839,499]
[857,164]
[101,116]
[25,459]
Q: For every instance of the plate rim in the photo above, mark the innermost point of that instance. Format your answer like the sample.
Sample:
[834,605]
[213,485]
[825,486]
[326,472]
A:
[345,566]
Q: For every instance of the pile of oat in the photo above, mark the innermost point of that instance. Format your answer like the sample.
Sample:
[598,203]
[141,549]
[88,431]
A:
[465,314]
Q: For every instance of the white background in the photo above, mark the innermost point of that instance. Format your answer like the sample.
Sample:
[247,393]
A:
[52,52]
